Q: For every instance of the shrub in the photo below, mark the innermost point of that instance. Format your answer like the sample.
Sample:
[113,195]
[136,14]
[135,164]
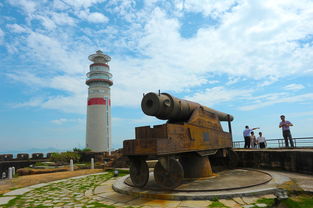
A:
[64,157]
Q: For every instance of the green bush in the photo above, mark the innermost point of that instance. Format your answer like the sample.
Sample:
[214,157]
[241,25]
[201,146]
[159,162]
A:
[64,157]
[81,150]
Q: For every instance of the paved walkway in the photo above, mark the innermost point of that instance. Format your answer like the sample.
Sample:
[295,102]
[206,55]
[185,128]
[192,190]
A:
[96,191]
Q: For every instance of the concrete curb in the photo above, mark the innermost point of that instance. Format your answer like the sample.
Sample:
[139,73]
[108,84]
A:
[269,188]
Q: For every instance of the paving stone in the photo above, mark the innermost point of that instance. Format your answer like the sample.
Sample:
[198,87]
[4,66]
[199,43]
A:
[268,196]
[230,203]
[239,200]
[261,205]
[162,203]
[121,197]
[107,202]
[248,206]
[104,195]
[18,192]
[249,200]
[102,189]
[38,185]
[5,200]
[195,203]
[88,193]
[138,201]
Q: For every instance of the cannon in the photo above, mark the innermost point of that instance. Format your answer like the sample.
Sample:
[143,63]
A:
[182,145]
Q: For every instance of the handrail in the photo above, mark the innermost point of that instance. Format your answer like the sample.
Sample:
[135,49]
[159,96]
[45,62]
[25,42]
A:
[300,142]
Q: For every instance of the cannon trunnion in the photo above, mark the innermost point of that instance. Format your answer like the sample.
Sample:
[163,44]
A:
[182,145]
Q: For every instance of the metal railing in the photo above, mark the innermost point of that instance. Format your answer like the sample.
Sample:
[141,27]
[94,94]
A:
[303,142]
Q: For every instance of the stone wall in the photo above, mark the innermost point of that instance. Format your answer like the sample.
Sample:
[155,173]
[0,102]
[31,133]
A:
[294,160]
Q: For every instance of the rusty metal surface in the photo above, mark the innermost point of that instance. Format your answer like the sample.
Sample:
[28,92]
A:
[191,133]
[165,106]
[195,166]
[169,176]
[139,172]
[203,131]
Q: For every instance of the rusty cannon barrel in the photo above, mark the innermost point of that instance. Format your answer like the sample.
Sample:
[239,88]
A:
[167,107]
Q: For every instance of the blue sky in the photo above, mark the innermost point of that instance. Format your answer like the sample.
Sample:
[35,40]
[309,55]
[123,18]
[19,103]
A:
[252,59]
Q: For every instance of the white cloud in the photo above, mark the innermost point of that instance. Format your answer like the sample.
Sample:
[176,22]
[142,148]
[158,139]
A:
[62,19]
[276,100]
[28,6]
[66,120]
[16,28]
[294,87]
[206,7]
[216,95]
[1,36]
[34,102]
[28,79]
[95,17]
[82,3]
[252,41]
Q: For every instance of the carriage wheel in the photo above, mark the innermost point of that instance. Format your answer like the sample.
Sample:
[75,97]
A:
[139,172]
[171,177]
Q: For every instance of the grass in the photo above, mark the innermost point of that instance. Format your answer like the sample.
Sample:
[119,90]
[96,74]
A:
[11,202]
[97,204]
[80,185]
[23,181]
[268,202]
[301,201]
[217,204]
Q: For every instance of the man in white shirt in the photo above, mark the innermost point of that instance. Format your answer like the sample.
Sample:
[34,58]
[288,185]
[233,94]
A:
[261,141]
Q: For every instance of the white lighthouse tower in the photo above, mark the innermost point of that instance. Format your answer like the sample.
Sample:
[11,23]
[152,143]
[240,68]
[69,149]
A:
[98,131]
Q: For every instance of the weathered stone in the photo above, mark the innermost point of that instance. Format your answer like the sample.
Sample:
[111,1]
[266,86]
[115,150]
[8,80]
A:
[5,200]
[18,192]
[121,197]
[138,201]
[261,205]
[162,203]
[249,200]
[248,206]
[268,196]
[102,189]
[230,203]
[239,200]
[195,203]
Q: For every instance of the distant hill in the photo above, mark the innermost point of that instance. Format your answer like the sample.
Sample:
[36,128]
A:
[34,150]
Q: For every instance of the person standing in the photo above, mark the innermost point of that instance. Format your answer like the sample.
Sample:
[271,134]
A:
[261,141]
[246,136]
[286,130]
[252,140]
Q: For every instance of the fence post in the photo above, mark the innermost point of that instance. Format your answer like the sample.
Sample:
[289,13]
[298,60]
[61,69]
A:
[71,165]
[10,173]
[13,171]
[92,163]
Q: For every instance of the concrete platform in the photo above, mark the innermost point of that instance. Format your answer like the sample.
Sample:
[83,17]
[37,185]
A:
[226,184]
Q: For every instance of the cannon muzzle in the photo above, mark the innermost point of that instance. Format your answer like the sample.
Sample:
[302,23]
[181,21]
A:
[167,107]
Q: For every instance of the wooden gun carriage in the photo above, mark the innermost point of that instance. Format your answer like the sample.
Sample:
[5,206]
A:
[182,145]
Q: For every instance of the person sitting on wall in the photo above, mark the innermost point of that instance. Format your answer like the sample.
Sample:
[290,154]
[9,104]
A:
[246,135]
[261,141]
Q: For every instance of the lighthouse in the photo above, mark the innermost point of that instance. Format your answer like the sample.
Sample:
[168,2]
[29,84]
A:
[98,128]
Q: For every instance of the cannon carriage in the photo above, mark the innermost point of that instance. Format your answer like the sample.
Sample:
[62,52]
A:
[182,145]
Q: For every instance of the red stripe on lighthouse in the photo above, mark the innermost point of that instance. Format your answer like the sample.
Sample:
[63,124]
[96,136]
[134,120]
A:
[96,101]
